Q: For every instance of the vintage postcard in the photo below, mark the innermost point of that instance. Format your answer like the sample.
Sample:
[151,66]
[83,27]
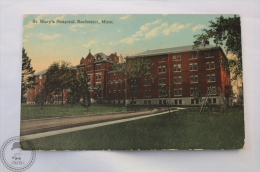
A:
[132,82]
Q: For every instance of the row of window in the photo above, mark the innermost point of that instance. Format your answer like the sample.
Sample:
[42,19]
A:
[192,67]
[115,95]
[179,101]
[209,54]
[161,69]
[177,91]
[119,74]
[178,79]
[113,84]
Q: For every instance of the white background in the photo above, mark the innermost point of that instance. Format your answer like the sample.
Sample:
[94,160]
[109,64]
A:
[245,160]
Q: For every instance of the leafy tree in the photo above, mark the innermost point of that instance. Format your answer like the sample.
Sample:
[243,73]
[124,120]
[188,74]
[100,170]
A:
[135,69]
[59,76]
[198,95]
[83,87]
[28,79]
[225,32]
[41,98]
[166,93]
[79,88]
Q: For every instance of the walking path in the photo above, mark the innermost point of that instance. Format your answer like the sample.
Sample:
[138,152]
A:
[43,127]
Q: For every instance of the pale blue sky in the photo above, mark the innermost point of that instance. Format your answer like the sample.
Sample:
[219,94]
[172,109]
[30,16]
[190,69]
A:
[128,35]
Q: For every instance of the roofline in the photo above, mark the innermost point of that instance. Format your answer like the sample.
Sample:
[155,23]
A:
[171,52]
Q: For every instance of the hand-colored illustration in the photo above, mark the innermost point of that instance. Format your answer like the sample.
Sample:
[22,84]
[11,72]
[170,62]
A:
[132,82]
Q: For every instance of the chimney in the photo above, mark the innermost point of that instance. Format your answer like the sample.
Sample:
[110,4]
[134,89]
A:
[115,53]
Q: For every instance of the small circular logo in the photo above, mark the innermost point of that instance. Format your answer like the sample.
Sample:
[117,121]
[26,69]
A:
[16,159]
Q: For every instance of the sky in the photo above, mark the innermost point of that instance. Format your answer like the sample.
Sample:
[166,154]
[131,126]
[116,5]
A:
[124,34]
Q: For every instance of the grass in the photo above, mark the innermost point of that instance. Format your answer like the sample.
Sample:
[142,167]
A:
[35,111]
[185,129]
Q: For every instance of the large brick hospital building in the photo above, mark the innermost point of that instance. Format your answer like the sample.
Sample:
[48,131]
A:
[187,68]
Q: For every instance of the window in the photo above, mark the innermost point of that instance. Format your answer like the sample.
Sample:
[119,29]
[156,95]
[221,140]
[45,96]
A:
[147,81]
[89,59]
[194,101]
[177,91]
[98,66]
[115,94]
[98,76]
[119,74]
[114,84]
[98,84]
[119,84]
[193,90]
[209,54]
[147,92]
[177,68]
[193,66]
[194,78]
[133,92]
[162,80]
[89,68]
[178,79]
[89,77]
[211,78]
[147,102]
[162,59]
[109,84]
[132,102]
[147,70]
[119,95]
[193,56]
[178,101]
[162,102]
[40,76]
[162,69]
[213,89]
[176,57]
[210,65]
[114,74]
[133,83]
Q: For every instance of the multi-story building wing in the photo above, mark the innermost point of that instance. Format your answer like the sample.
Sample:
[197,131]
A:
[97,67]
[32,92]
[188,69]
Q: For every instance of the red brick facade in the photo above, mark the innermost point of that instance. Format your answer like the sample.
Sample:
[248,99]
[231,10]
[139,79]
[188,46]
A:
[188,69]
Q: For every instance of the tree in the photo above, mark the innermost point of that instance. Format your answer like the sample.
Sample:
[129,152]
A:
[135,69]
[28,79]
[82,88]
[166,93]
[227,32]
[40,98]
[198,95]
[59,76]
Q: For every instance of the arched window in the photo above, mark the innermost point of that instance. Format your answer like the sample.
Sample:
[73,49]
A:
[114,84]
[109,84]
[119,84]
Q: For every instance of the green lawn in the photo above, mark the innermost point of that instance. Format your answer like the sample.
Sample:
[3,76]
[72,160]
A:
[185,129]
[35,111]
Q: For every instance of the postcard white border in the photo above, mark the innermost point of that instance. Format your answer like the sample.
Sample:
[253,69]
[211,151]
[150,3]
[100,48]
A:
[196,161]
